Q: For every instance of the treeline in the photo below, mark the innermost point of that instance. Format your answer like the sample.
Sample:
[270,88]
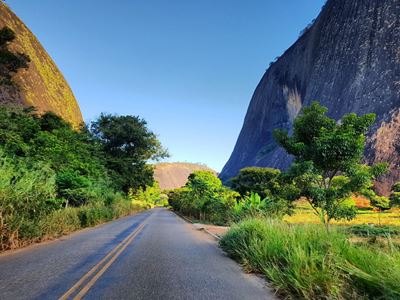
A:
[55,179]
[327,171]
[255,192]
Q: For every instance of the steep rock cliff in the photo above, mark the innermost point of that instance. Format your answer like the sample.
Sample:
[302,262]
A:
[42,85]
[349,60]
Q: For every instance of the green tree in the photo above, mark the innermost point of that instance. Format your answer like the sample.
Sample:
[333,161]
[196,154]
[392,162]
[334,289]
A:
[263,181]
[128,145]
[150,195]
[10,62]
[381,203]
[327,168]
[204,197]
[395,195]
[204,187]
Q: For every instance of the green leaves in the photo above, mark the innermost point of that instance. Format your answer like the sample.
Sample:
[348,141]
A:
[204,197]
[380,202]
[263,181]
[327,168]
[395,195]
[127,144]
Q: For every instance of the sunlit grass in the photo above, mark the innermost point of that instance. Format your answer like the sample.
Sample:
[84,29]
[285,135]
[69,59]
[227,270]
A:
[307,262]
[304,214]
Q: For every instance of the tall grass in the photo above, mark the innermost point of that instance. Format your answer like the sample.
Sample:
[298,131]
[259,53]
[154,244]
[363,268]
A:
[304,261]
[25,196]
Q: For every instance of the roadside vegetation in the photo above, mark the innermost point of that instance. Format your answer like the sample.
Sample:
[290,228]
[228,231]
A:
[55,179]
[316,231]
[307,262]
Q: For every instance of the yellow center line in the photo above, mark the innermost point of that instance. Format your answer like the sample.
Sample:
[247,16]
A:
[87,287]
[113,254]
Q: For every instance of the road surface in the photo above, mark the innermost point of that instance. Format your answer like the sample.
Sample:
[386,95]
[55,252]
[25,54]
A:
[151,255]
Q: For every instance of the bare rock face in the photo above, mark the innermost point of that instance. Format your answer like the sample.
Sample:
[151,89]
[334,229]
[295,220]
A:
[175,175]
[349,61]
[42,85]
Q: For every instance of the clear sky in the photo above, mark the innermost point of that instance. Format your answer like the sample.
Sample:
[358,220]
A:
[189,67]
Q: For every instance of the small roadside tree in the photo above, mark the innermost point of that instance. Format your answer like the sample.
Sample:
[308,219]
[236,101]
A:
[327,168]
[381,203]
[263,181]
[395,195]
[210,199]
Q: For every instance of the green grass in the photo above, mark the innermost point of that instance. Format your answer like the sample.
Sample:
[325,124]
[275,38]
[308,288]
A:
[304,261]
[303,214]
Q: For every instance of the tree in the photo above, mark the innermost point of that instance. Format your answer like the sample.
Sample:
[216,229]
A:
[263,181]
[204,197]
[381,203]
[128,144]
[327,169]
[204,186]
[395,195]
[10,62]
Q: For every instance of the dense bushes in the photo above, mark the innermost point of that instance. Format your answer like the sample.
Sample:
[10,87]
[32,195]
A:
[305,261]
[263,181]
[148,197]
[55,179]
[26,195]
[204,198]
[254,206]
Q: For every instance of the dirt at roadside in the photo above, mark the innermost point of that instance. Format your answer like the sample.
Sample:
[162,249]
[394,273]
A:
[219,231]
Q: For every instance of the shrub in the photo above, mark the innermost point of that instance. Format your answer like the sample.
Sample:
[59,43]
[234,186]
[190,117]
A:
[147,197]
[95,213]
[395,195]
[204,198]
[305,261]
[253,206]
[72,187]
[263,181]
[60,222]
[26,195]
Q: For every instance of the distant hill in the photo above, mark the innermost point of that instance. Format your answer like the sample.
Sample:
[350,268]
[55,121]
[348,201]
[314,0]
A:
[174,175]
[42,85]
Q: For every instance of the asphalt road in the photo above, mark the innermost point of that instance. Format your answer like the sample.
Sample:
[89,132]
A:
[152,255]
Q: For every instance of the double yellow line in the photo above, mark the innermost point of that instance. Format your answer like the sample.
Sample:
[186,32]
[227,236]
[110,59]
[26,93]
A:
[100,268]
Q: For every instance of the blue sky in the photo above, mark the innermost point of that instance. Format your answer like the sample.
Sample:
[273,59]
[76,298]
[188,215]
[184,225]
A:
[189,67]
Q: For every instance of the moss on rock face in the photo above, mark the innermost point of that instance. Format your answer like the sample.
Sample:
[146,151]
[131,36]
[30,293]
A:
[42,85]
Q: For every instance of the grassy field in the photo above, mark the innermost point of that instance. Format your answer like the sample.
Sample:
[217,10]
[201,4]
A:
[305,214]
